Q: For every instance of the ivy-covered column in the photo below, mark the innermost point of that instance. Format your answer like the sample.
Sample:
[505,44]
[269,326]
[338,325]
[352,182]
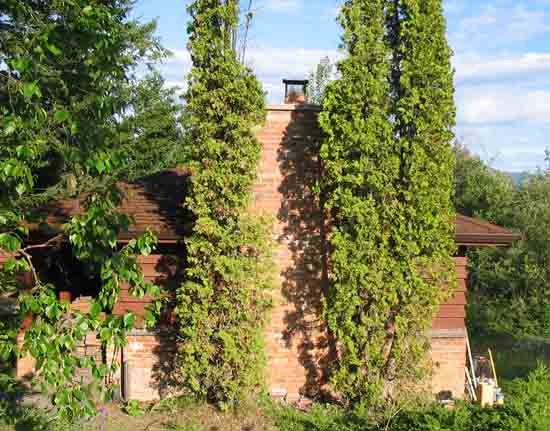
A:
[222,303]
[388,123]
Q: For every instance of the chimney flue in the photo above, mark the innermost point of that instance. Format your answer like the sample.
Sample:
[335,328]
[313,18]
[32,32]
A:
[295,90]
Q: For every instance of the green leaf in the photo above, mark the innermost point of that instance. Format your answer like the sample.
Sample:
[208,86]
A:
[21,188]
[53,49]
[83,327]
[21,64]
[61,116]
[9,242]
[9,128]
[129,319]
[95,309]
[106,334]
[10,264]
[100,166]
[24,151]
[31,89]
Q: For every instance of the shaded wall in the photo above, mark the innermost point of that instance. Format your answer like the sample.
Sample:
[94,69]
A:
[147,363]
[297,345]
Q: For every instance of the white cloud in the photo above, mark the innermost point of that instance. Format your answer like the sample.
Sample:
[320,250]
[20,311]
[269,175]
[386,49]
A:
[475,66]
[503,89]
[287,62]
[179,86]
[499,24]
[511,147]
[453,7]
[503,104]
[271,65]
[176,67]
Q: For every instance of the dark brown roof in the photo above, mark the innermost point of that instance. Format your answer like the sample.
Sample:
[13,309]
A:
[475,231]
[156,203]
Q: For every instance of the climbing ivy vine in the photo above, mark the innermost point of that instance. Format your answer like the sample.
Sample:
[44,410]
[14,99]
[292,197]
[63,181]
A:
[222,303]
[388,123]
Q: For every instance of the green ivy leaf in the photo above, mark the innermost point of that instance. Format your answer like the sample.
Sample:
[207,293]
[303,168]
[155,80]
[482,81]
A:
[53,49]
[129,320]
[31,89]
[61,116]
[9,242]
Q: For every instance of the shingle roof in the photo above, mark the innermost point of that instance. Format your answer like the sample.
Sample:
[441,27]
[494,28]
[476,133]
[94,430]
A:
[475,231]
[155,203]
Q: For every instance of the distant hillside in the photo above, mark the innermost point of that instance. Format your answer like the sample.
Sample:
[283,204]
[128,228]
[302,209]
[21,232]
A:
[517,176]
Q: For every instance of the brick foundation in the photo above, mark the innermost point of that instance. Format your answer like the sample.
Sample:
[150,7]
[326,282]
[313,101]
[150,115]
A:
[24,369]
[149,365]
[449,359]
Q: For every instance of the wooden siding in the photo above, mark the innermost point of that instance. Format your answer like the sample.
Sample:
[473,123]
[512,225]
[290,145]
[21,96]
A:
[451,315]
[159,269]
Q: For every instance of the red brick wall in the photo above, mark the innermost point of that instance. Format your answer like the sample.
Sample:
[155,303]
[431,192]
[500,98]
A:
[149,365]
[288,171]
[449,360]
[297,344]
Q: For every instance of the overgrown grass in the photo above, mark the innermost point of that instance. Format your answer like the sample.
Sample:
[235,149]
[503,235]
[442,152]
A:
[527,409]
[169,415]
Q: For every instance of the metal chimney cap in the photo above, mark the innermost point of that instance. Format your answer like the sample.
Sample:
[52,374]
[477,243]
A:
[295,81]
[295,91]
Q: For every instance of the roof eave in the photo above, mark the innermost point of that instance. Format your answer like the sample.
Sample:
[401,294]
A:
[476,239]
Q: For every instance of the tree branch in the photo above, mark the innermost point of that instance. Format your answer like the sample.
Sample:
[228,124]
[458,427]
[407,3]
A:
[48,243]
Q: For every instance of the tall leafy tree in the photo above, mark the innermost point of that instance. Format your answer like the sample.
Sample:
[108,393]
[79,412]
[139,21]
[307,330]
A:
[508,286]
[319,80]
[222,302]
[64,67]
[69,64]
[481,191]
[388,123]
[149,133]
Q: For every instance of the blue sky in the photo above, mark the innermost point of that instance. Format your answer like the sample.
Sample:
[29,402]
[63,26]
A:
[502,62]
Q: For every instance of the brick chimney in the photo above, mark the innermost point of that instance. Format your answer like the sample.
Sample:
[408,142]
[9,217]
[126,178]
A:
[295,91]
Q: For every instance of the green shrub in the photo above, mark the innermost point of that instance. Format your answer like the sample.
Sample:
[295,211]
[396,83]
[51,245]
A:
[321,418]
[387,180]
[529,400]
[527,409]
[436,418]
[224,299]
